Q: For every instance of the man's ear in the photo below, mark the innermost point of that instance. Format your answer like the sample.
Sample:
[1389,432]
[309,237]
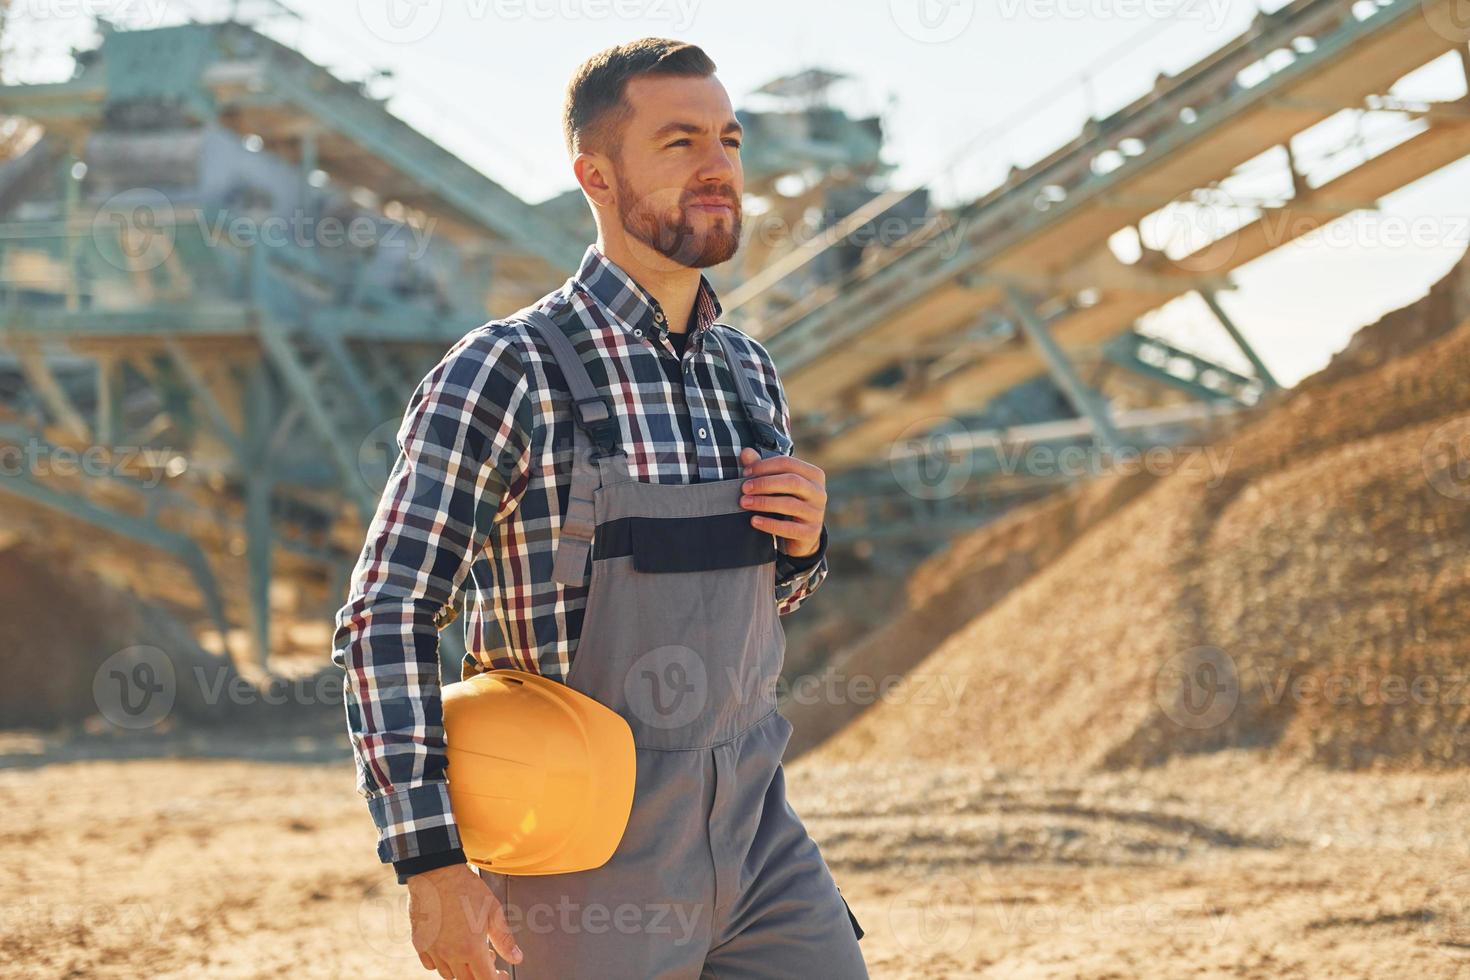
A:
[594,174]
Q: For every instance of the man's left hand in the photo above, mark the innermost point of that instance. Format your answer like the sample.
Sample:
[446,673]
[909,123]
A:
[789,486]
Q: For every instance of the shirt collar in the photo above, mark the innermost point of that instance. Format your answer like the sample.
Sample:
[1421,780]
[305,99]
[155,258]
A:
[631,305]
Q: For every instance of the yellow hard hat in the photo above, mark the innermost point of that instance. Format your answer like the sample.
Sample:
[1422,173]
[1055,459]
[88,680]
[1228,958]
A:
[540,775]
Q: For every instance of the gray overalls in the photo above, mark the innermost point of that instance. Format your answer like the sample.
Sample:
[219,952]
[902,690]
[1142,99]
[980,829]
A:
[715,876]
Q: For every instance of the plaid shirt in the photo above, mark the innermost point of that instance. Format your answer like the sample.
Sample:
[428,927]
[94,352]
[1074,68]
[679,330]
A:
[474,503]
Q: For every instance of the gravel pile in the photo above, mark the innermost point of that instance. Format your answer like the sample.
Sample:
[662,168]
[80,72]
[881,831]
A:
[1313,603]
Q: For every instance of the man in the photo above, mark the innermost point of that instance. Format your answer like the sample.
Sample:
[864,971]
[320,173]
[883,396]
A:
[479,491]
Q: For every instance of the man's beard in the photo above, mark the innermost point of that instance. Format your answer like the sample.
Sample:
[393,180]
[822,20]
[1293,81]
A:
[669,232]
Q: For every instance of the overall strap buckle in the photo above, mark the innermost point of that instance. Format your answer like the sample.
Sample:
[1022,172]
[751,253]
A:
[594,416]
[765,436]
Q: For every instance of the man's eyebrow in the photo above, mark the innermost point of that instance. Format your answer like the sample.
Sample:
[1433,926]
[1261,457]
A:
[668,129]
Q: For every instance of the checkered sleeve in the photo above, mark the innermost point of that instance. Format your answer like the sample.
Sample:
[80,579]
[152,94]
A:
[463,449]
[796,578]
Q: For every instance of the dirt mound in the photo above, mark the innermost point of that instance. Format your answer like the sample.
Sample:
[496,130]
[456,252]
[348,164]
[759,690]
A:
[1312,602]
[942,595]
[79,649]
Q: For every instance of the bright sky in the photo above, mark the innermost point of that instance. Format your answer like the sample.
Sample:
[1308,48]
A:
[965,89]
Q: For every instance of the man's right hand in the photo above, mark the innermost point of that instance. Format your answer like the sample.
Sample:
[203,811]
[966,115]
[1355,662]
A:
[451,913]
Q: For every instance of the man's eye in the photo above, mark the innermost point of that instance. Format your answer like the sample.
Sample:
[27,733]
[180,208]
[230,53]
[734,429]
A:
[683,142]
[733,142]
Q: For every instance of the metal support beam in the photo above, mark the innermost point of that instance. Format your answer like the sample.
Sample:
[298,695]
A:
[285,429]
[1268,381]
[1084,400]
[109,400]
[255,464]
[1449,112]
[358,384]
[385,370]
[451,180]
[1160,360]
[258,546]
[278,349]
[70,197]
[194,378]
[41,378]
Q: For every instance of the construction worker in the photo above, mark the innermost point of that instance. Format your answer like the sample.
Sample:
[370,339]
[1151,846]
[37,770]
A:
[612,471]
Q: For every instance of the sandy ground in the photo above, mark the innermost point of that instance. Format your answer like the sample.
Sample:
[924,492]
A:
[230,855]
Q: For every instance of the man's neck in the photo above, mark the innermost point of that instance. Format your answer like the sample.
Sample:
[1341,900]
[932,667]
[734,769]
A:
[673,286]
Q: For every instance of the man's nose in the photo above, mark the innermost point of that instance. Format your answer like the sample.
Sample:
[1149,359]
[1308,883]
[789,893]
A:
[718,164]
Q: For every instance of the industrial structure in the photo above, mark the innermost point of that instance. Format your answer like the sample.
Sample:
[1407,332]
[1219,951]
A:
[224,270]
[922,339]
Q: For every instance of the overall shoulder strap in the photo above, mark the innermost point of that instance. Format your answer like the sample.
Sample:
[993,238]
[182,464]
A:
[595,445]
[763,435]
[591,410]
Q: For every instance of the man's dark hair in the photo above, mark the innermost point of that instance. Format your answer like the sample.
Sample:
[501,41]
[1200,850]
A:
[595,111]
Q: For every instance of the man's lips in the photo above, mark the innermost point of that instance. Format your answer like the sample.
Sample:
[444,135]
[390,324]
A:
[713,205]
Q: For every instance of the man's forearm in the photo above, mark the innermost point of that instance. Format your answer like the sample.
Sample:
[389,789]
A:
[395,724]
[464,436]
